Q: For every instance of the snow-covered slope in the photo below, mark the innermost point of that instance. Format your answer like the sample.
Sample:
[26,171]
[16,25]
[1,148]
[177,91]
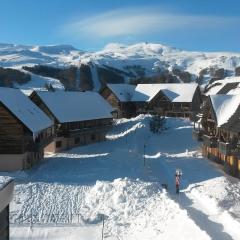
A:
[130,62]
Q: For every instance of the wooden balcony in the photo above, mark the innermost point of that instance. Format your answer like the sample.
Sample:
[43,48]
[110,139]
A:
[225,148]
[197,134]
[76,132]
[210,141]
[228,149]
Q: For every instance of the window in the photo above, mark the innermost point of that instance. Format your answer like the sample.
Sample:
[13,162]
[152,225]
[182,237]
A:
[77,140]
[93,137]
[58,144]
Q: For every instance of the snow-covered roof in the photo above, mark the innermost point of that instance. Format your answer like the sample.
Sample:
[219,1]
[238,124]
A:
[224,107]
[4,180]
[76,106]
[124,92]
[6,191]
[216,86]
[24,109]
[175,92]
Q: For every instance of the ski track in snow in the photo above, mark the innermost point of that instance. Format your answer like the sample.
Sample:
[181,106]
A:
[109,178]
[95,78]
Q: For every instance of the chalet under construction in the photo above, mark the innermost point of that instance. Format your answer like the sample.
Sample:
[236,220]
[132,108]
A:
[173,100]
[80,118]
[24,131]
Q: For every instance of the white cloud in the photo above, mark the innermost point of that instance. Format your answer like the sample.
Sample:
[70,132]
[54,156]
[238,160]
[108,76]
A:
[137,22]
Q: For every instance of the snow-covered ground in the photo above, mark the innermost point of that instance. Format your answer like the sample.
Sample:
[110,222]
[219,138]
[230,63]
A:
[66,196]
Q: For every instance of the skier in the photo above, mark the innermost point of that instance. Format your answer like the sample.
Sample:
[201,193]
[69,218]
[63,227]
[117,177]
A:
[177,181]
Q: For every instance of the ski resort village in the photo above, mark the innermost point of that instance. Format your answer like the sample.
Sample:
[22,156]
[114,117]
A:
[144,161]
[119,138]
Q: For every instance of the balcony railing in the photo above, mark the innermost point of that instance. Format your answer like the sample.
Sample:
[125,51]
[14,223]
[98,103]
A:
[210,141]
[76,132]
[225,148]
[228,149]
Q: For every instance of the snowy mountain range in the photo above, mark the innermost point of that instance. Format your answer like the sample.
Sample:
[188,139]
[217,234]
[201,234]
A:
[142,62]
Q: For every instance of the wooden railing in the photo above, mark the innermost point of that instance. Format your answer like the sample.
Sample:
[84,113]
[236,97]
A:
[72,133]
[210,141]
[225,148]
[228,149]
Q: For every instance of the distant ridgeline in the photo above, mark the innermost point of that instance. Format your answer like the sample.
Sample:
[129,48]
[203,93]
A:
[9,77]
[75,78]
[78,78]
[67,76]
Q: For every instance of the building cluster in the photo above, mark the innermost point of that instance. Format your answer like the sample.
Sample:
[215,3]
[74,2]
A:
[50,122]
[173,100]
[218,127]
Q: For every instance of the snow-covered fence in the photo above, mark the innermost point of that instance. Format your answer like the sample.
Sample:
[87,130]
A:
[39,219]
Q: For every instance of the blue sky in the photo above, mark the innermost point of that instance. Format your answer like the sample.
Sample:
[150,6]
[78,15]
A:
[207,25]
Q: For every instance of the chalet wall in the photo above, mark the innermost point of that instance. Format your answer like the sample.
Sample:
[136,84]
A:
[15,162]
[11,133]
[6,195]
[4,224]
[197,100]
[62,143]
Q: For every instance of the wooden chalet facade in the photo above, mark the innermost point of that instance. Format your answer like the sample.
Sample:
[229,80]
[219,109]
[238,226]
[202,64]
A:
[6,195]
[24,131]
[173,100]
[166,105]
[121,102]
[221,131]
[80,118]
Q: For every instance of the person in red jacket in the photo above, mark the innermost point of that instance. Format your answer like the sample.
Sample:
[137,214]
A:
[177,181]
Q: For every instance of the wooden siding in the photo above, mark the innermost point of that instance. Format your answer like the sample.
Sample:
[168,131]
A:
[12,133]
[16,138]
[4,224]
[74,128]
[197,100]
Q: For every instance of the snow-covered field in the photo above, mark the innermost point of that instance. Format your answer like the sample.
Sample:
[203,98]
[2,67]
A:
[67,194]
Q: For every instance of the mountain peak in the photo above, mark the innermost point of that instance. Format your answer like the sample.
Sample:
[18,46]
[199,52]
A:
[56,49]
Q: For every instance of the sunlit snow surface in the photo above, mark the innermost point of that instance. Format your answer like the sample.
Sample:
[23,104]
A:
[65,195]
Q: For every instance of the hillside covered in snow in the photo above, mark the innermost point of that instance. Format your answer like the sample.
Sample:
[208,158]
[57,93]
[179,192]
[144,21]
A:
[116,63]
